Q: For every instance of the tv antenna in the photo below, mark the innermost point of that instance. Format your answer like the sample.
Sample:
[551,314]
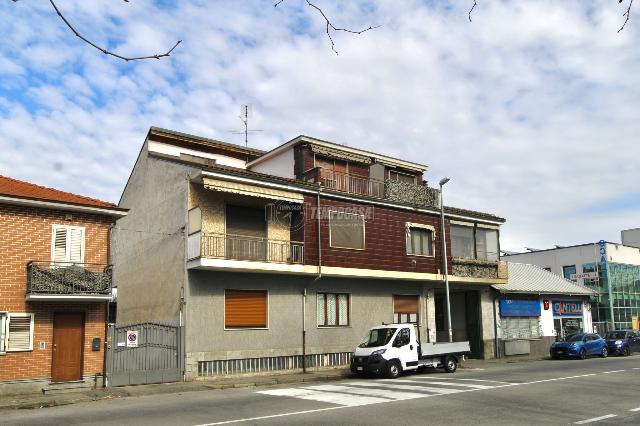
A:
[246,111]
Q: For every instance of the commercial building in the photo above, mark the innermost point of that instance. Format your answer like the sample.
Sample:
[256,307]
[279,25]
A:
[610,269]
[536,307]
[54,287]
[283,259]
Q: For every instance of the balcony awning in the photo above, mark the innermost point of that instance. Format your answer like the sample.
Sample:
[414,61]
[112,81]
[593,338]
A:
[252,190]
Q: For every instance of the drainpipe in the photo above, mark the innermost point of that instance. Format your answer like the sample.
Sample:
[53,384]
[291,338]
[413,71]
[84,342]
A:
[495,328]
[316,279]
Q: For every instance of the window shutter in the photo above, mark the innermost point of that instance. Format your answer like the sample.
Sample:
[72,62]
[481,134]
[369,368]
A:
[76,237]
[20,332]
[245,308]
[405,304]
[3,337]
[60,244]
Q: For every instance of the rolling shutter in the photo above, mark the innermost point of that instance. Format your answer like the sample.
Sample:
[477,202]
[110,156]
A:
[405,308]
[20,332]
[245,309]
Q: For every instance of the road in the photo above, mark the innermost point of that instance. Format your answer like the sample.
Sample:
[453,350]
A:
[595,391]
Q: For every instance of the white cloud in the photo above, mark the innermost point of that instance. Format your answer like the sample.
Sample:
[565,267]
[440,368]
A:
[530,109]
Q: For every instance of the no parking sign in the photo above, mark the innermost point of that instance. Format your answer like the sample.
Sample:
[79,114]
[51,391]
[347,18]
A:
[132,338]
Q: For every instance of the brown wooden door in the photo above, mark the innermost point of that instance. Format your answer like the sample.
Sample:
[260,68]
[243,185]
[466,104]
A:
[68,335]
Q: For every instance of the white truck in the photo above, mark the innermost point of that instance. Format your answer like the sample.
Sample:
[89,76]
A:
[390,349]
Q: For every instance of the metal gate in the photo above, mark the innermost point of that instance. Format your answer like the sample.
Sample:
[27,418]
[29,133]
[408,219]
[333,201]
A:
[144,353]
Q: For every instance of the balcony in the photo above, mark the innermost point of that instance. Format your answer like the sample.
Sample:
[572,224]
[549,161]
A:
[402,192]
[244,248]
[51,281]
[483,269]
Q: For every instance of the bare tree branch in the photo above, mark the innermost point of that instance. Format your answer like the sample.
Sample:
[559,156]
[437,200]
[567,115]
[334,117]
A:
[329,24]
[626,14]
[104,50]
[475,3]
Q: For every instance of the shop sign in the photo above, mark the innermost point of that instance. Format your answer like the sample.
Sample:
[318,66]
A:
[519,308]
[567,308]
[584,276]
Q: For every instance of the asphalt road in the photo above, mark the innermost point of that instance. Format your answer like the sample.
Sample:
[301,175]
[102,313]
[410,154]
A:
[595,391]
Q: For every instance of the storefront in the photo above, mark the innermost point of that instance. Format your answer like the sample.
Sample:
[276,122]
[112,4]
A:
[568,317]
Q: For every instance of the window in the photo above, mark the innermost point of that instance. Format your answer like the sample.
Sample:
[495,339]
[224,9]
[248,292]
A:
[419,241]
[520,328]
[403,338]
[346,230]
[333,309]
[401,177]
[19,334]
[3,332]
[67,244]
[469,242]
[487,244]
[245,309]
[568,270]
[586,268]
[405,308]
[462,242]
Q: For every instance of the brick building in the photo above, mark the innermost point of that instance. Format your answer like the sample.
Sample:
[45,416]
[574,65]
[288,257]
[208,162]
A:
[54,287]
[271,258]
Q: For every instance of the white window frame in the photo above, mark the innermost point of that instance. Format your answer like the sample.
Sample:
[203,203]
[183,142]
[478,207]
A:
[8,334]
[4,320]
[68,229]
[364,230]
[421,226]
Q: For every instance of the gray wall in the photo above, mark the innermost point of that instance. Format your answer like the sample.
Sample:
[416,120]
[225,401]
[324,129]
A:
[206,338]
[148,244]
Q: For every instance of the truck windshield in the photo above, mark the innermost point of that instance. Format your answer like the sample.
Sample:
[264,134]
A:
[377,337]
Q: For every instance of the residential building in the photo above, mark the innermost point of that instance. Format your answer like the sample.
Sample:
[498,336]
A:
[264,257]
[537,307]
[611,269]
[54,287]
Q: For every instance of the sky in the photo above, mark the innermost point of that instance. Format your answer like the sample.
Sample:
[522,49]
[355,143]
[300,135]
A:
[531,109]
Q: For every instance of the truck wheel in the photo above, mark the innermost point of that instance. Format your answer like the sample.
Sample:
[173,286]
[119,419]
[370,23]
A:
[392,369]
[450,364]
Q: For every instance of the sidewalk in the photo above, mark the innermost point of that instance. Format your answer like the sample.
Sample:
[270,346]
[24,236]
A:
[42,401]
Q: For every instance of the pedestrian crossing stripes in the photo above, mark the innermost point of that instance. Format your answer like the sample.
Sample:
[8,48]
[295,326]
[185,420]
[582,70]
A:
[365,392]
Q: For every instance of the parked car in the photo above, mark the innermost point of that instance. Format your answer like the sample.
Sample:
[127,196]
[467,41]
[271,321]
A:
[580,346]
[622,342]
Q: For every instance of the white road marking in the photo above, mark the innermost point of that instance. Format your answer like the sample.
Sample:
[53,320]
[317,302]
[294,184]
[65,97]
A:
[595,419]
[636,368]
[415,387]
[635,409]
[383,393]
[273,416]
[329,397]
[481,380]
[613,371]
[466,385]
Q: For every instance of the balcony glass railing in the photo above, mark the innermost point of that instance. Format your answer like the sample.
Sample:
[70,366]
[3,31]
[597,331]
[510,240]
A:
[239,247]
[66,278]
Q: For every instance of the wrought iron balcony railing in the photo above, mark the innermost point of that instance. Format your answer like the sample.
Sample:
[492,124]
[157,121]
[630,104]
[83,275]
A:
[66,278]
[239,247]
[402,192]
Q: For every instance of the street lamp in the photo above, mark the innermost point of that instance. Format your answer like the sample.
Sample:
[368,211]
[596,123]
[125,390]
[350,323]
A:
[444,259]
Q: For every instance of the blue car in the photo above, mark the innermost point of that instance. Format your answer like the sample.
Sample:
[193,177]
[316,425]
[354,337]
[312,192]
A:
[580,346]
[623,342]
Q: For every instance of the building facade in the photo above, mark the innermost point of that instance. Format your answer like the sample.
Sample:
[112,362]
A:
[537,307]
[269,259]
[610,269]
[54,286]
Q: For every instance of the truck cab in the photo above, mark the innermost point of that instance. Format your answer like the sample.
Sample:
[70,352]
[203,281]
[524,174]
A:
[390,349]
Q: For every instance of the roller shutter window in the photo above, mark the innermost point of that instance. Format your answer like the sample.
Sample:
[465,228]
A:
[67,244]
[20,333]
[405,308]
[333,309]
[245,308]
[346,230]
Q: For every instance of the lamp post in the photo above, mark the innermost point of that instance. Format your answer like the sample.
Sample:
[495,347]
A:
[444,259]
